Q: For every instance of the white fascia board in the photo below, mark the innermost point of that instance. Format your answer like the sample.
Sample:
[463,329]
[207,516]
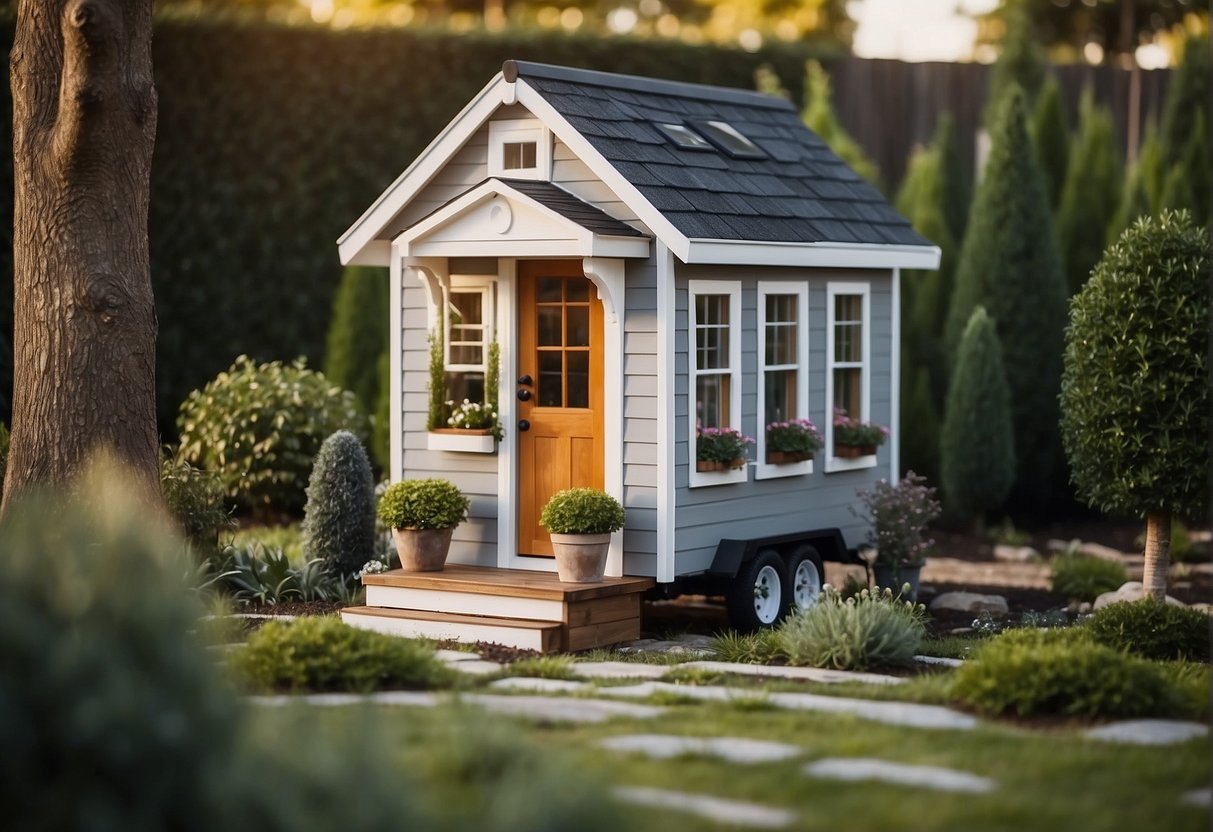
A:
[368,227]
[661,227]
[830,255]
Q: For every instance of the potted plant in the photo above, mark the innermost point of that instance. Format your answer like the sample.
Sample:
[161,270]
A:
[720,449]
[580,522]
[899,514]
[469,426]
[422,515]
[853,438]
[792,441]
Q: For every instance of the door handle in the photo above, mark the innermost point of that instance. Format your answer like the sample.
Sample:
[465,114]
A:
[524,425]
[525,380]
[524,395]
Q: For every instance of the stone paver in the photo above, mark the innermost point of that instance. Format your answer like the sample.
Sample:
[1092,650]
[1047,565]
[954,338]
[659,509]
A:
[690,643]
[540,685]
[452,656]
[1149,732]
[562,709]
[715,809]
[1202,798]
[892,713]
[942,661]
[621,670]
[476,667]
[922,777]
[412,698]
[730,749]
[806,674]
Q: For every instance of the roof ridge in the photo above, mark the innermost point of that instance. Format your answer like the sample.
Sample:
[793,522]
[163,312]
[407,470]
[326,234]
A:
[513,70]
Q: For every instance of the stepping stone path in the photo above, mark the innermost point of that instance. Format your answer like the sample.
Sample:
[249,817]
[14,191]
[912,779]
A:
[621,670]
[537,708]
[711,808]
[730,749]
[941,661]
[892,713]
[1202,798]
[692,644]
[1149,732]
[922,777]
[540,685]
[805,674]
[469,663]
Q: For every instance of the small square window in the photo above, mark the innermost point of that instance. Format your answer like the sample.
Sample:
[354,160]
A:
[520,148]
[518,156]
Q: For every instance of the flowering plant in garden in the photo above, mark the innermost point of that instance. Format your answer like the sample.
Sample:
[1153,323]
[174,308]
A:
[474,416]
[899,514]
[720,445]
[798,436]
[848,431]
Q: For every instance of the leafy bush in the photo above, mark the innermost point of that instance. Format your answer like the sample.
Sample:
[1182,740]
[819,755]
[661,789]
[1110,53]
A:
[258,574]
[259,426]
[1191,683]
[899,514]
[1062,672]
[582,511]
[1085,578]
[325,654]
[339,518]
[1152,630]
[423,504]
[869,630]
[196,501]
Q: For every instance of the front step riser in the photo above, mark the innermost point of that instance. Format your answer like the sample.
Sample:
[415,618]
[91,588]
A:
[442,631]
[463,603]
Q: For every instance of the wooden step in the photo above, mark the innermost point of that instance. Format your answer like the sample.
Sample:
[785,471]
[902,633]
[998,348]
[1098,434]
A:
[544,636]
[513,583]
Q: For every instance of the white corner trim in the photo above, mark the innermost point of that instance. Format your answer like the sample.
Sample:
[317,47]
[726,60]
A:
[666,423]
[357,237]
[610,274]
[835,464]
[507,448]
[828,255]
[895,383]
[395,364]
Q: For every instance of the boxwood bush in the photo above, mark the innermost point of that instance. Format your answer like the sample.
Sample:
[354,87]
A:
[1152,630]
[432,503]
[1063,672]
[582,511]
[871,629]
[1085,578]
[258,426]
[326,654]
[339,519]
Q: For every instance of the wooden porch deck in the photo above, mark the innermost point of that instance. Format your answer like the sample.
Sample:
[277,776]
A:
[513,607]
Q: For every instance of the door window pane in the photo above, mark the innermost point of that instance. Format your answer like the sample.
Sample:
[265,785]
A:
[549,326]
[578,379]
[549,290]
[577,326]
[551,378]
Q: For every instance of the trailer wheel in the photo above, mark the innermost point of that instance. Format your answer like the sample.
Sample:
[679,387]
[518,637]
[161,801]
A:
[805,575]
[758,596]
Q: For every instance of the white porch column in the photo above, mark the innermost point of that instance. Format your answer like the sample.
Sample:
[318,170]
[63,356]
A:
[607,275]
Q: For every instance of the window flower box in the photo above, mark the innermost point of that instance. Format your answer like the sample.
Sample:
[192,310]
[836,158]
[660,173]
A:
[788,457]
[462,440]
[853,451]
[705,465]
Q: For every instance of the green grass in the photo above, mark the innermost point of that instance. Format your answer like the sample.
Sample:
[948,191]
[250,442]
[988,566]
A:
[1048,779]
[951,647]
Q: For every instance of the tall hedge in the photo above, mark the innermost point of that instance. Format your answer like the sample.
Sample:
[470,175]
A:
[1010,265]
[358,334]
[1051,135]
[1091,193]
[956,184]
[977,456]
[1021,63]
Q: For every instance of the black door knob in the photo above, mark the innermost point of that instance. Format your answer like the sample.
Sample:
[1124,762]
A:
[524,395]
[524,425]
[525,379]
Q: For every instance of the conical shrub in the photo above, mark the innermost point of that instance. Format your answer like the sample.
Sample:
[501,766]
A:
[358,334]
[339,519]
[1051,135]
[1091,193]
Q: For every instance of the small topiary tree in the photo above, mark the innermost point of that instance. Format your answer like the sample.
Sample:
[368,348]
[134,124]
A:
[1051,136]
[1091,193]
[977,444]
[259,426]
[1135,389]
[339,518]
[358,334]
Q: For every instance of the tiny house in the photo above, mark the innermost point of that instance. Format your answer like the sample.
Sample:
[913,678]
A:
[636,261]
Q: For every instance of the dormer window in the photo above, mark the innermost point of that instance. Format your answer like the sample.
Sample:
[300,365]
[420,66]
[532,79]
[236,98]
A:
[520,149]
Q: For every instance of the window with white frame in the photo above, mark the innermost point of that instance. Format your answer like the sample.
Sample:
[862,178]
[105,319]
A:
[520,149]
[469,331]
[848,354]
[714,350]
[783,357]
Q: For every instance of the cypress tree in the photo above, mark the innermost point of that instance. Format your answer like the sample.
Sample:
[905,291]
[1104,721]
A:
[919,423]
[381,424]
[1142,190]
[1010,265]
[339,518]
[955,184]
[1187,98]
[1187,184]
[977,457]
[820,117]
[1021,63]
[358,334]
[1051,135]
[1091,194]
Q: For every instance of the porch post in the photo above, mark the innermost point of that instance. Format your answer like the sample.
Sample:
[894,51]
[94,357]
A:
[607,274]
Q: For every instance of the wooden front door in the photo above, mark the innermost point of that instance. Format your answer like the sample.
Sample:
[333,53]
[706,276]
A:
[559,389]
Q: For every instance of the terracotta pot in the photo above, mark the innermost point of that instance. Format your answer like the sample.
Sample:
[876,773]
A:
[739,462]
[853,451]
[704,465]
[422,550]
[787,457]
[580,558]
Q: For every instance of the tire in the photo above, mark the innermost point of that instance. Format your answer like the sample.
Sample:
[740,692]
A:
[804,578]
[758,596]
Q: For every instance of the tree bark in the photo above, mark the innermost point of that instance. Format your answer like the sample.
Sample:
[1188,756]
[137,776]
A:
[1158,555]
[84,321]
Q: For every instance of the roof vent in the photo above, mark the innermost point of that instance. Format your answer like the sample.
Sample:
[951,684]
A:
[729,139]
[683,136]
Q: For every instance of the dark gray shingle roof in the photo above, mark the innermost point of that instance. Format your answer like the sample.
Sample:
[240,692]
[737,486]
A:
[564,203]
[801,192]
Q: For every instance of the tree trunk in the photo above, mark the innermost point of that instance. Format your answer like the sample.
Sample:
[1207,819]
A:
[84,322]
[1158,555]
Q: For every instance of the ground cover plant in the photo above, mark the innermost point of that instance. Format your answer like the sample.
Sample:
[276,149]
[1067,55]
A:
[1084,578]
[872,629]
[1153,630]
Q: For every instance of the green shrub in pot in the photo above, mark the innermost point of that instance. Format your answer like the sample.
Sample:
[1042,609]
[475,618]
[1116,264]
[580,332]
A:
[582,511]
[422,515]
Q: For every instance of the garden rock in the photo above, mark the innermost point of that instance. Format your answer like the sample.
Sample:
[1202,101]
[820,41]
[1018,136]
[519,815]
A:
[1131,591]
[806,674]
[995,605]
[715,809]
[922,777]
[560,709]
[689,644]
[939,661]
[1016,554]
[730,749]
[1149,732]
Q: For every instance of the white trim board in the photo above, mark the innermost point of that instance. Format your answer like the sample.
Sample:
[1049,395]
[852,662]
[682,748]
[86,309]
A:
[834,464]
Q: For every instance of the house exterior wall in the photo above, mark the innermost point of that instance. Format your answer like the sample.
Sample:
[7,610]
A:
[640,370]
[756,508]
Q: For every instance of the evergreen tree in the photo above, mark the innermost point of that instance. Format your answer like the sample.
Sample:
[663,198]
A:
[1142,189]
[1091,194]
[977,457]
[1187,99]
[1187,184]
[1010,265]
[358,334]
[820,117]
[1051,135]
[1021,63]
[381,424]
[919,423]
[955,178]
[339,519]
